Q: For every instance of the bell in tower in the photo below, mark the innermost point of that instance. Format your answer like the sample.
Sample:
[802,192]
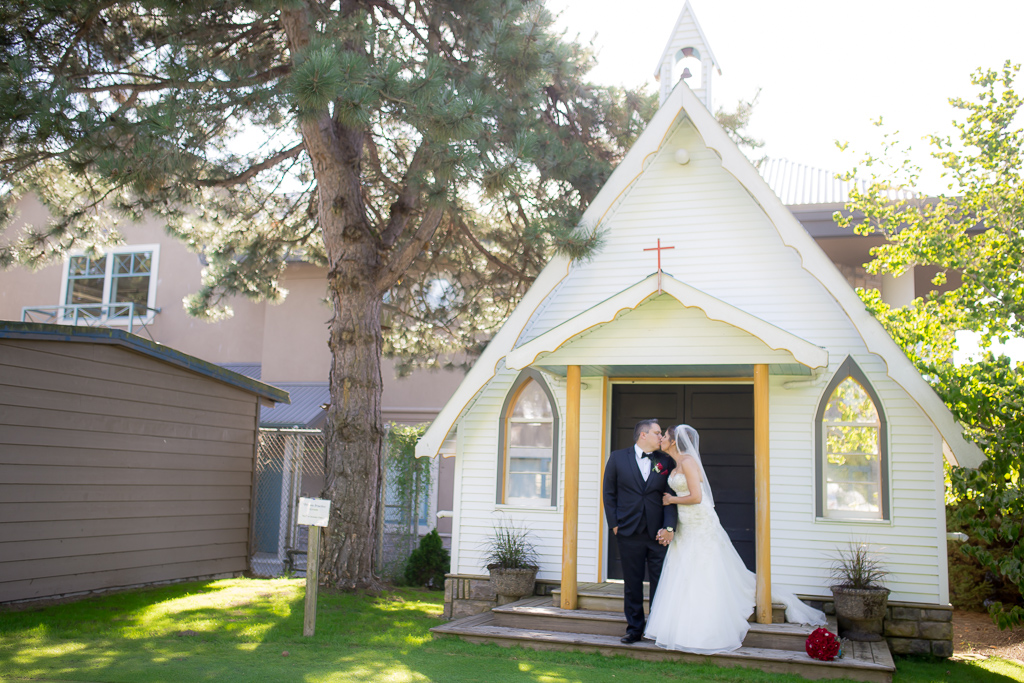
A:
[688,56]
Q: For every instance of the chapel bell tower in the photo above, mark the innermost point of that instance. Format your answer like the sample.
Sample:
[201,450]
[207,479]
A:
[687,57]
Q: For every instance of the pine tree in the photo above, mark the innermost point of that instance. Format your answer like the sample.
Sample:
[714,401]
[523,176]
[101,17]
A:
[430,155]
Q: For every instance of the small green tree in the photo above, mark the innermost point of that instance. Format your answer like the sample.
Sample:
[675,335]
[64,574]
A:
[984,166]
[428,564]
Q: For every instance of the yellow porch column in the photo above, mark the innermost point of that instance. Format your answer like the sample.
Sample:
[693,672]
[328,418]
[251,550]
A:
[571,503]
[762,517]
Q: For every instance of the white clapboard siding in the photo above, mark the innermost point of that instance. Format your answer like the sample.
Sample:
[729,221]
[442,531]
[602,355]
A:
[726,246]
[802,548]
[479,461]
[915,471]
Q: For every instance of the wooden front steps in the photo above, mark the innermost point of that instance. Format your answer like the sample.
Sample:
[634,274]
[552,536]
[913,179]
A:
[778,648]
[540,614]
[607,597]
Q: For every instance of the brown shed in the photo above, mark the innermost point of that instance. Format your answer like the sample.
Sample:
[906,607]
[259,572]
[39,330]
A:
[122,462]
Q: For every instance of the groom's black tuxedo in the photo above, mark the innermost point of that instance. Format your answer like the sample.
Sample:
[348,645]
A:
[634,506]
[629,501]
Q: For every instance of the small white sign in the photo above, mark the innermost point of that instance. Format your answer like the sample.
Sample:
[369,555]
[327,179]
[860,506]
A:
[314,511]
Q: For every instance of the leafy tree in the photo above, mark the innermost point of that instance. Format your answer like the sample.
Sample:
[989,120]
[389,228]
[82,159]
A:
[735,123]
[429,154]
[983,164]
[408,477]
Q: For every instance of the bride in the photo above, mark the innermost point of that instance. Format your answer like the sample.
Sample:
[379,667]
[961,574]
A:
[706,593]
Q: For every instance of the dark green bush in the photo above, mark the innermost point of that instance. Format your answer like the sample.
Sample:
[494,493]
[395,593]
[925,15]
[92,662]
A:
[428,564]
[972,586]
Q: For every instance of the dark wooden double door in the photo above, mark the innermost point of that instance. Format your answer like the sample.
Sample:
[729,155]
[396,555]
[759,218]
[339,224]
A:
[723,415]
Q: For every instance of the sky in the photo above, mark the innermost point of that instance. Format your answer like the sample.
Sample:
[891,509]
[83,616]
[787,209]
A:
[825,69]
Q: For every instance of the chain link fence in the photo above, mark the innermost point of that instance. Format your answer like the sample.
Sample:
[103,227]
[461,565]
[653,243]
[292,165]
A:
[290,465]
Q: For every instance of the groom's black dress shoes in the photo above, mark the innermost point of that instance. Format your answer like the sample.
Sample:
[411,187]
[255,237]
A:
[629,639]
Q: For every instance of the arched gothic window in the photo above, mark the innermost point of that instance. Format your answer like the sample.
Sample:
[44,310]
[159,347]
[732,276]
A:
[852,463]
[528,440]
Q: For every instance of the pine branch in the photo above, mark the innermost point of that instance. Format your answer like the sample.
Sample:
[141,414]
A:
[166,83]
[406,202]
[255,169]
[390,273]
[378,167]
[391,10]
[491,258]
[85,26]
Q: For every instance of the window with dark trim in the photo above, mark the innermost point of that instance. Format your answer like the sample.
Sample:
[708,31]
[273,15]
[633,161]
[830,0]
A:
[528,444]
[852,459]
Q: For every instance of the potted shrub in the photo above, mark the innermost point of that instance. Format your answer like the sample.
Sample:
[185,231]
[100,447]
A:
[512,562]
[860,598]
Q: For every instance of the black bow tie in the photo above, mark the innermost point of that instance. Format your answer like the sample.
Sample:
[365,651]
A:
[647,455]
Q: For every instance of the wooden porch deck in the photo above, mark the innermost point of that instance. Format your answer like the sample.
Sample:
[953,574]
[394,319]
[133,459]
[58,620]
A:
[538,623]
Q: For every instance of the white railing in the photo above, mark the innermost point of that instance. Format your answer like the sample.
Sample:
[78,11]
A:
[127,314]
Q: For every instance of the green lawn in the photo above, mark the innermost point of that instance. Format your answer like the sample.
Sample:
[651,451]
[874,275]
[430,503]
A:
[251,630]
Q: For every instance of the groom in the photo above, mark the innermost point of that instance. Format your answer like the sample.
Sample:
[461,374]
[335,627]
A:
[634,480]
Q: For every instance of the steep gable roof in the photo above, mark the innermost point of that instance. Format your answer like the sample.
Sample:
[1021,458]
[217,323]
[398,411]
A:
[683,104]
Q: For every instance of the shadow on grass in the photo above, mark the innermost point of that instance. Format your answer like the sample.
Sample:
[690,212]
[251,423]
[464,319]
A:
[251,630]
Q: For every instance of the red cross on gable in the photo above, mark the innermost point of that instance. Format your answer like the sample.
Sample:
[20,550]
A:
[659,249]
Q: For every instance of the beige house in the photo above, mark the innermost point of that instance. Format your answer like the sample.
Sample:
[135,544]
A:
[139,287]
[287,342]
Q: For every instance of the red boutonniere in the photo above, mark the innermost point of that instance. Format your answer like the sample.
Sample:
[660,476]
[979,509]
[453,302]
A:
[658,468]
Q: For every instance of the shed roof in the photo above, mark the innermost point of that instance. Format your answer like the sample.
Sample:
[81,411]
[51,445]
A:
[106,335]
[306,409]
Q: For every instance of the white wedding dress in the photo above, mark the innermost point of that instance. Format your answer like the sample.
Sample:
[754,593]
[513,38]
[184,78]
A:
[706,593]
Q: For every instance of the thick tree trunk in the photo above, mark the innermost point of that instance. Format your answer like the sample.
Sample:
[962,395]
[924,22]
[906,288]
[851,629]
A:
[354,433]
[356,257]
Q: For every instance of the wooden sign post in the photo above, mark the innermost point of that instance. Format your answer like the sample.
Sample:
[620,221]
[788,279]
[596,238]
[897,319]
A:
[315,512]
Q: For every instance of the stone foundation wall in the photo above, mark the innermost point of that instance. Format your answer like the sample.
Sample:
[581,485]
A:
[911,628]
[469,594]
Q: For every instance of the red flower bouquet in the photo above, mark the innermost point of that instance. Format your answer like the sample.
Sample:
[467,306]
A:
[658,469]
[824,645]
